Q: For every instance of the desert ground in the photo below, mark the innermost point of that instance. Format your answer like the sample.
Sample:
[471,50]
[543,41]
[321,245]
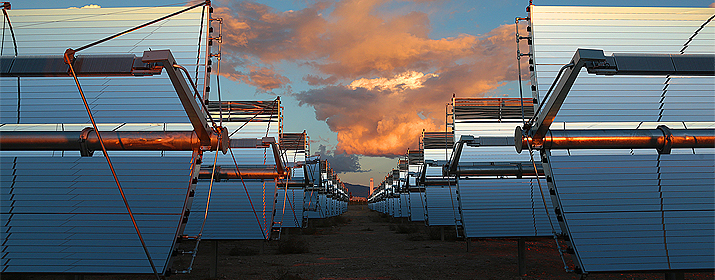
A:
[364,244]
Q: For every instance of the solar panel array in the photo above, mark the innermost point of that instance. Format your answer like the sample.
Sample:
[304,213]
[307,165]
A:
[311,201]
[329,194]
[497,206]
[239,208]
[62,212]
[417,206]
[295,147]
[441,205]
[404,193]
[65,214]
[415,161]
[395,192]
[623,209]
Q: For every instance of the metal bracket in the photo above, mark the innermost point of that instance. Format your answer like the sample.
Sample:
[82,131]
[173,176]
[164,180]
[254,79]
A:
[471,141]
[668,140]
[84,151]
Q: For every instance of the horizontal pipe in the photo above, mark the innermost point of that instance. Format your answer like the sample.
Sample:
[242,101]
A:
[439,182]
[86,141]
[233,174]
[517,170]
[663,139]
[113,140]
[293,184]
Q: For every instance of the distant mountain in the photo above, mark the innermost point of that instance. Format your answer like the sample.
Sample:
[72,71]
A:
[357,190]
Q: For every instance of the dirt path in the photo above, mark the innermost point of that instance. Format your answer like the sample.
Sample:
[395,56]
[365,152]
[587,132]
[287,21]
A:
[367,245]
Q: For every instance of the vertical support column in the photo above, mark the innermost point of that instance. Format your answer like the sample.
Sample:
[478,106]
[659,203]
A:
[532,62]
[213,259]
[521,258]
[441,233]
[207,57]
[674,276]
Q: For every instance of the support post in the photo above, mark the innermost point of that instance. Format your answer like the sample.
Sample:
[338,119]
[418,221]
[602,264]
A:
[674,276]
[213,259]
[441,233]
[521,258]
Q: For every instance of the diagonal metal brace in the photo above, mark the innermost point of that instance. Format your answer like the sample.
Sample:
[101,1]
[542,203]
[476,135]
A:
[546,116]
[192,108]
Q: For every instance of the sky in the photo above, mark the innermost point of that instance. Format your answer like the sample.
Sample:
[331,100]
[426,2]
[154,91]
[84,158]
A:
[365,77]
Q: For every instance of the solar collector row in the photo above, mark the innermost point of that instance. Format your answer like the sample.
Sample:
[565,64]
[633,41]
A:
[63,213]
[630,210]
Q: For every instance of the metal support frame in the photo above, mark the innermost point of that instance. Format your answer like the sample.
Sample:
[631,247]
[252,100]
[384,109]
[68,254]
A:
[453,165]
[597,63]
[151,63]
[517,169]
[544,117]
[197,158]
[193,109]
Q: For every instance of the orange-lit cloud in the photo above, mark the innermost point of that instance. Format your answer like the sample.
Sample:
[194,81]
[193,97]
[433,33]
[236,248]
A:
[379,78]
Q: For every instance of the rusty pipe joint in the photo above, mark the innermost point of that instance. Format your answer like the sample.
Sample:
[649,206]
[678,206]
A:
[523,140]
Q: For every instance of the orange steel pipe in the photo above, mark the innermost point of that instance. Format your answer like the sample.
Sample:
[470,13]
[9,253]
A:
[248,173]
[113,140]
[660,138]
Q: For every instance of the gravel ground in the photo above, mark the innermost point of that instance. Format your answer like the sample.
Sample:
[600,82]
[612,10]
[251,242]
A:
[363,244]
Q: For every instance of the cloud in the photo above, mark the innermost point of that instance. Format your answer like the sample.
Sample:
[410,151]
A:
[256,36]
[341,162]
[385,116]
[350,41]
[315,80]
[378,78]
[263,78]
[90,6]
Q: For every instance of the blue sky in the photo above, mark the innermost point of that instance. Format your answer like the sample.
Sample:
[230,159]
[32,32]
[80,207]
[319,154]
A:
[317,106]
